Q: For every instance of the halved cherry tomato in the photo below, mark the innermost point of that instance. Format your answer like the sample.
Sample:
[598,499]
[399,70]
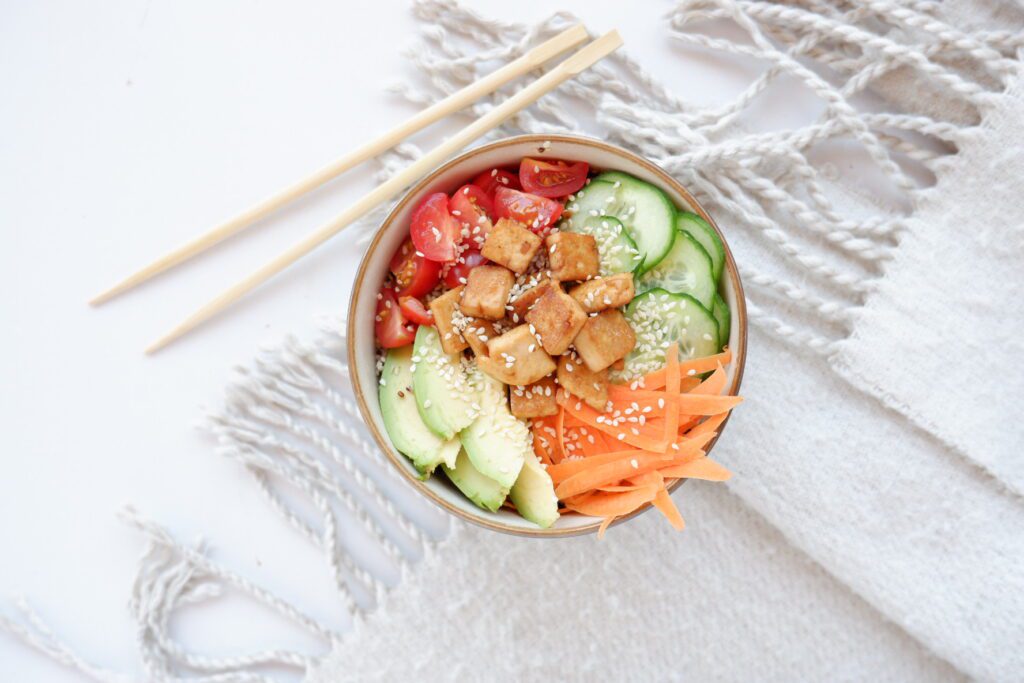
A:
[552,178]
[535,212]
[414,310]
[433,229]
[414,274]
[489,181]
[471,202]
[390,326]
[457,274]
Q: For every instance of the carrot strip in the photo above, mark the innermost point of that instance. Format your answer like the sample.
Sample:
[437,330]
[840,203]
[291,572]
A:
[560,430]
[589,415]
[666,506]
[567,468]
[713,384]
[701,468]
[610,473]
[656,379]
[538,447]
[601,504]
[604,527]
[708,426]
[621,393]
[705,404]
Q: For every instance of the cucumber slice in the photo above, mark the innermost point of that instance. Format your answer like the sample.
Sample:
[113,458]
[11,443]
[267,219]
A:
[659,318]
[645,211]
[720,310]
[699,229]
[686,269]
[616,249]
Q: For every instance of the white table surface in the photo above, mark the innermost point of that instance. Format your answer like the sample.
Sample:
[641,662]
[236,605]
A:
[126,127]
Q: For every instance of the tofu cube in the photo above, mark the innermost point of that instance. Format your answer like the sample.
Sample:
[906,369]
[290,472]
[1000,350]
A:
[511,245]
[582,383]
[605,338]
[605,292]
[446,319]
[572,256]
[534,400]
[521,353]
[486,292]
[521,305]
[557,319]
[477,333]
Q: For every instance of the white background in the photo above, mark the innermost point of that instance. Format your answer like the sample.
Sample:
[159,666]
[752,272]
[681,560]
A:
[126,127]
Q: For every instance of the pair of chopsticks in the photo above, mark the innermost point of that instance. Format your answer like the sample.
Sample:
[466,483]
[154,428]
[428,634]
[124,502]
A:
[570,67]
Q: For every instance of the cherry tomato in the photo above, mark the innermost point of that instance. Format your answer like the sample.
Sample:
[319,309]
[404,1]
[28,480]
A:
[390,326]
[433,230]
[471,202]
[456,275]
[489,181]
[535,212]
[414,274]
[552,178]
[414,310]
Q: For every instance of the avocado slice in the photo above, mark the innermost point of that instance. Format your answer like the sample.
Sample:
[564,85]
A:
[444,393]
[497,442]
[483,491]
[402,419]
[534,494]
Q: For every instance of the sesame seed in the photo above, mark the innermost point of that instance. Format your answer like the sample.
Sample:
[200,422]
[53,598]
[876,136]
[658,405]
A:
[427,403]
[635,464]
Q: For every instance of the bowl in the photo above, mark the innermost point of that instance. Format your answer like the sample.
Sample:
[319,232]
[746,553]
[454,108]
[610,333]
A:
[374,266]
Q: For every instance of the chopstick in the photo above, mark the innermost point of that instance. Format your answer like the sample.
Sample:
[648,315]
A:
[565,40]
[571,66]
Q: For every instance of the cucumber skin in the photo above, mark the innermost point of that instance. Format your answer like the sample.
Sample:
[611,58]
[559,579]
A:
[643,285]
[723,316]
[625,180]
[701,230]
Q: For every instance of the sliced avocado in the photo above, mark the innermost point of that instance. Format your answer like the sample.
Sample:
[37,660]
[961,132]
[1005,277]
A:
[497,442]
[534,494]
[402,419]
[482,490]
[444,394]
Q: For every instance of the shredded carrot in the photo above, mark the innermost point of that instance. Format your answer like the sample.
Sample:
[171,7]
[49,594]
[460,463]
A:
[560,430]
[713,385]
[656,379]
[607,474]
[666,506]
[705,404]
[601,504]
[709,425]
[701,468]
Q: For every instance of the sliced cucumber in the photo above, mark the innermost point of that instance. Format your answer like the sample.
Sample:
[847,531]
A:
[659,318]
[645,211]
[720,310]
[616,249]
[686,269]
[708,238]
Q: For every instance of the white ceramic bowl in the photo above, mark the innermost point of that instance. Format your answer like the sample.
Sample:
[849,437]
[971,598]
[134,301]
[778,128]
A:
[374,267]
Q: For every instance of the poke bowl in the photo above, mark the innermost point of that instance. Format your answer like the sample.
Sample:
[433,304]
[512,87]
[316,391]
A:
[546,336]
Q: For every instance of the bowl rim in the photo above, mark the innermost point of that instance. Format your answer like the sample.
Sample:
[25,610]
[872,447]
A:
[739,319]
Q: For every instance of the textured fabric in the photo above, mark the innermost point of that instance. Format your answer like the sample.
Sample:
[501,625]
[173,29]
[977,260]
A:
[729,601]
[942,338]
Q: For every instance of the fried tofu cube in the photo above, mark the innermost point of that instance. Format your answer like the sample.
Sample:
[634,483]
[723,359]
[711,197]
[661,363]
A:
[605,338]
[521,353]
[557,319]
[477,333]
[510,244]
[446,316]
[605,292]
[521,305]
[534,400]
[572,256]
[581,382]
[486,292]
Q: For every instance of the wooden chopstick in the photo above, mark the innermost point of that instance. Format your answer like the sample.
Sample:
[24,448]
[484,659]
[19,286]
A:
[531,60]
[573,65]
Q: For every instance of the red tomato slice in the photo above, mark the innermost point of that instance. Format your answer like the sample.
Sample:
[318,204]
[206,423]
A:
[414,310]
[390,326]
[491,180]
[414,274]
[474,210]
[552,178]
[457,274]
[433,230]
[535,212]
